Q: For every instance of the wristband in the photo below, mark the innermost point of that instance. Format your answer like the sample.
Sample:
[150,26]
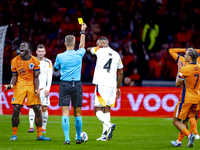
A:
[9,86]
[82,32]
[35,91]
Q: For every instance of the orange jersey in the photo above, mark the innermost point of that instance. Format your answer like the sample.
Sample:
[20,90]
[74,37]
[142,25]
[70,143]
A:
[173,52]
[25,70]
[190,88]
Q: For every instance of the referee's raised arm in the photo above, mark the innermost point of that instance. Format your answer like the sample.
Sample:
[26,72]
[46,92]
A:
[82,38]
[70,90]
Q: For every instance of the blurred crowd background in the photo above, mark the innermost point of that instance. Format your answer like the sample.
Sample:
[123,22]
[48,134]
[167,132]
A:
[141,31]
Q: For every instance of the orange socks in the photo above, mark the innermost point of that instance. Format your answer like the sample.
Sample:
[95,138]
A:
[39,131]
[14,130]
[180,137]
[193,126]
[185,132]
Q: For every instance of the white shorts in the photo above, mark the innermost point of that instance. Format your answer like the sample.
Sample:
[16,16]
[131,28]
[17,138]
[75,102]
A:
[45,101]
[104,96]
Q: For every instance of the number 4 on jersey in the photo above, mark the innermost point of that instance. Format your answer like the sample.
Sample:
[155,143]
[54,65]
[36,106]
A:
[108,65]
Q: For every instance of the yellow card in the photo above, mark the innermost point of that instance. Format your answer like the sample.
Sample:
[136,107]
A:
[80,20]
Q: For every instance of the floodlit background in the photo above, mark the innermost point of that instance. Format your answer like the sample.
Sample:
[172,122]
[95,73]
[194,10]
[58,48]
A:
[124,22]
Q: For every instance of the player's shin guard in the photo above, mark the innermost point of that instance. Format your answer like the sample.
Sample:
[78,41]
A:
[39,131]
[102,117]
[65,125]
[185,132]
[180,137]
[193,126]
[78,125]
[31,117]
[14,130]
[105,128]
[44,119]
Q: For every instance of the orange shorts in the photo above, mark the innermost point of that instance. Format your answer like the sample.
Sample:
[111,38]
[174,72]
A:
[184,110]
[20,93]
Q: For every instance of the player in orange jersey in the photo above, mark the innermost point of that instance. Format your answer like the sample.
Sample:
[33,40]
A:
[193,128]
[188,77]
[25,78]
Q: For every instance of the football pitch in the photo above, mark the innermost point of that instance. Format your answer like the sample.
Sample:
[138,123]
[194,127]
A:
[134,133]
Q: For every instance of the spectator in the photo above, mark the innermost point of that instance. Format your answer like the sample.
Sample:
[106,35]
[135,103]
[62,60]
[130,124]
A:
[133,79]
[184,36]
[149,36]
[166,19]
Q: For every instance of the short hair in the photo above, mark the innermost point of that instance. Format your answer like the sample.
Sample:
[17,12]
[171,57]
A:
[29,45]
[41,46]
[193,53]
[103,38]
[69,40]
[188,47]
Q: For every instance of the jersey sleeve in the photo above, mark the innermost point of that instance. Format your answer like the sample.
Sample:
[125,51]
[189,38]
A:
[37,64]
[94,50]
[13,66]
[57,63]
[120,65]
[173,52]
[49,78]
[81,51]
[182,73]
[182,59]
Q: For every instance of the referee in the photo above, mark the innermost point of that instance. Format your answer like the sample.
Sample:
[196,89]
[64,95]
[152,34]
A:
[70,63]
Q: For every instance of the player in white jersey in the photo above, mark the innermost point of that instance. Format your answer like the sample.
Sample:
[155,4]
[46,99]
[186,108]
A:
[107,77]
[45,79]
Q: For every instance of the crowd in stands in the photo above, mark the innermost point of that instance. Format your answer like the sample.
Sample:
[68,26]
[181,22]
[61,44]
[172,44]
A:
[141,31]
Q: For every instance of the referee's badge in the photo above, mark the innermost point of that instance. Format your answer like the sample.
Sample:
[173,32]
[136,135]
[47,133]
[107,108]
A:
[31,65]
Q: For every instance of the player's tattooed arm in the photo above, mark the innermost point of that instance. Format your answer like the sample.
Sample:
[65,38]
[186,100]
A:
[12,82]
[36,82]
[119,81]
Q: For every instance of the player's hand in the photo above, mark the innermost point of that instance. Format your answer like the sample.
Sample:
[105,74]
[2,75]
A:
[37,91]
[118,94]
[7,87]
[83,26]
[46,93]
[180,64]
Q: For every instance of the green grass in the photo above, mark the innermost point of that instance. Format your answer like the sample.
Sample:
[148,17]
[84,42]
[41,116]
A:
[130,133]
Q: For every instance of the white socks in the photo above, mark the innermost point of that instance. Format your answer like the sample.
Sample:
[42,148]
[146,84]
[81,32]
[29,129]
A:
[31,117]
[103,118]
[44,119]
[105,128]
[177,142]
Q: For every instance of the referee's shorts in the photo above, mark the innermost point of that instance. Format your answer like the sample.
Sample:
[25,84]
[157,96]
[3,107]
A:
[70,90]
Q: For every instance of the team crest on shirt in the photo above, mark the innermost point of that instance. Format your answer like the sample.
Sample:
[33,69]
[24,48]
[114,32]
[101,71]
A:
[31,65]
[13,99]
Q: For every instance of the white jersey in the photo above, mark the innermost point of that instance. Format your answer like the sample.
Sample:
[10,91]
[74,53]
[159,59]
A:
[108,61]
[45,77]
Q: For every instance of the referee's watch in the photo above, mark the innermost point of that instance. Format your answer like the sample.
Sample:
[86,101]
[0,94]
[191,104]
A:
[82,32]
